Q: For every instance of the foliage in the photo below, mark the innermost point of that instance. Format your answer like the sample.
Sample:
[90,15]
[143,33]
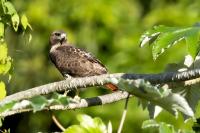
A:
[89,125]
[36,103]
[162,127]
[154,95]
[108,29]
[163,37]
[8,18]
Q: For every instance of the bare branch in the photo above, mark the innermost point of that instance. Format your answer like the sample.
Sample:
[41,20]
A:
[87,102]
[73,83]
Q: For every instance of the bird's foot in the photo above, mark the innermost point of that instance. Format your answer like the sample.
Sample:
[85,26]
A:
[77,99]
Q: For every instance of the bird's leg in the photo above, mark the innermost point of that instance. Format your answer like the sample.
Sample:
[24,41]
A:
[75,96]
[67,76]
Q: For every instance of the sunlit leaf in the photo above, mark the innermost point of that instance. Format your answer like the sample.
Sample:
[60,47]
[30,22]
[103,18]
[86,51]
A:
[24,21]
[76,129]
[1,31]
[163,37]
[2,90]
[9,8]
[150,123]
[89,125]
[151,35]
[15,21]
[192,42]
[86,121]
[166,128]
[165,41]
[99,123]
[3,51]
[4,68]
[161,126]
[5,61]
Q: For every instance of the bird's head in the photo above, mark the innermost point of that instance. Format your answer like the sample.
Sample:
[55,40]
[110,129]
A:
[58,37]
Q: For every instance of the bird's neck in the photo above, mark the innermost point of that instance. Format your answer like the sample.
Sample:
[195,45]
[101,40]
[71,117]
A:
[54,47]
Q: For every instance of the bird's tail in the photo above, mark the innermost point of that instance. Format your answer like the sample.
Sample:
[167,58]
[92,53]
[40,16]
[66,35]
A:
[111,86]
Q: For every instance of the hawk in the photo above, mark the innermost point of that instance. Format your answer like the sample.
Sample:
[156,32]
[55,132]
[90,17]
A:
[72,61]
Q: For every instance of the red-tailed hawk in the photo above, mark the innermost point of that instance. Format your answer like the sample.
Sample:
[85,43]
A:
[72,61]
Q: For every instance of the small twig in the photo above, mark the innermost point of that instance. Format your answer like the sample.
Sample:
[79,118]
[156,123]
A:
[57,123]
[123,115]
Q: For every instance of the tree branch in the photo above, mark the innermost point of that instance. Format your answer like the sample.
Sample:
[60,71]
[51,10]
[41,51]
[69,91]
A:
[70,84]
[87,102]
[73,83]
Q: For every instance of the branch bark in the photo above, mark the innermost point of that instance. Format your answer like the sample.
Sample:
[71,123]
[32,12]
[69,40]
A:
[70,84]
[87,102]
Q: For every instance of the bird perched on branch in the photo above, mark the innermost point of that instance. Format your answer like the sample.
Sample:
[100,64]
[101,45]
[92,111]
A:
[74,62]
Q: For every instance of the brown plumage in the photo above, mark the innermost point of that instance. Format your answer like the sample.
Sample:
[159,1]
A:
[74,62]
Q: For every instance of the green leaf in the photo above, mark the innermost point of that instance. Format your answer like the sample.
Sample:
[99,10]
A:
[76,129]
[165,41]
[5,61]
[161,126]
[86,121]
[192,42]
[59,99]
[3,51]
[166,128]
[162,38]
[4,68]
[24,21]
[191,93]
[15,21]
[9,8]
[7,107]
[160,96]
[151,35]
[150,123]
[99,123]
[92,125]
[2,90]
[1,31]
[38,103]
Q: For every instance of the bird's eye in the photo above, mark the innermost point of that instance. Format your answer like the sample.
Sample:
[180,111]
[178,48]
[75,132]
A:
[57,34]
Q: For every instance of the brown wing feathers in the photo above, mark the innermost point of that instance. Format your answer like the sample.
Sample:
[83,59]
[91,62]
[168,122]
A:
[74,61]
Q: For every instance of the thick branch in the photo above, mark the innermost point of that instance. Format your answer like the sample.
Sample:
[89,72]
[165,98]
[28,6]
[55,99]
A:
[73,83]
[100,100]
